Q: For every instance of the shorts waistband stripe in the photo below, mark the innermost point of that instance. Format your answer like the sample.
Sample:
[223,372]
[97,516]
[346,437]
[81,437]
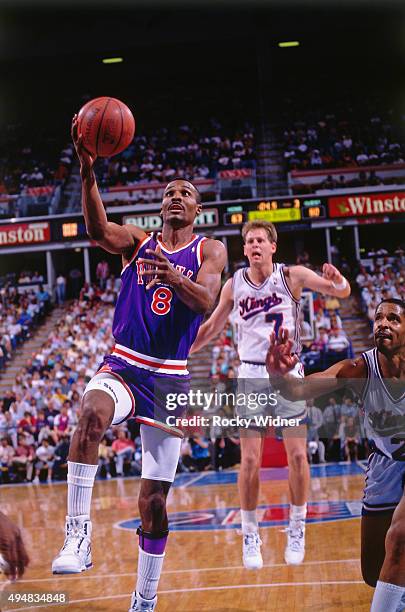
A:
[257,363]
[159,425]
[170,365]
[164,362]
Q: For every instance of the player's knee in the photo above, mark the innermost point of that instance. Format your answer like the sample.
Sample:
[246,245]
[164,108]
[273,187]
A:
[250,461]
[152,508]
[94,420]
[298,459]
[395,541]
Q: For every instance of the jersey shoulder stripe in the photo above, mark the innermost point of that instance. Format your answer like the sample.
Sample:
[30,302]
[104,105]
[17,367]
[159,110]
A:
[286,287]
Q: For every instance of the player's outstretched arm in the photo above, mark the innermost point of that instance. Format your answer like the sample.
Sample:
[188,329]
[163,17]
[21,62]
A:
[216,323]
[332,282]
[200,295]
[280,361]
[12,548]
[112,237]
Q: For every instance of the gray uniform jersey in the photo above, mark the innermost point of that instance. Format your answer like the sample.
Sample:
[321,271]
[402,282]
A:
[384,414]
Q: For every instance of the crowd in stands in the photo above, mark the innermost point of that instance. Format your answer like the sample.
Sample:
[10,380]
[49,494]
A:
[382,277]
[40,412]
[364,178]
[329,342]
[193,152]
[31,161]
[20,312]
[344,138]
[335,431]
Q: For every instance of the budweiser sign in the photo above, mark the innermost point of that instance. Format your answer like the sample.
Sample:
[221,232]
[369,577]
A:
[150,222]
[370,204]
[24,233]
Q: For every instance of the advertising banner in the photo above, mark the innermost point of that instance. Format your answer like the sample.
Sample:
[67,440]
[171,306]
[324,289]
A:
[360,205]
[15,234]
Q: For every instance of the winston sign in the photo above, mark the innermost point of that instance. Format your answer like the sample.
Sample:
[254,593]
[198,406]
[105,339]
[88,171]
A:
[24,233]
[360,205]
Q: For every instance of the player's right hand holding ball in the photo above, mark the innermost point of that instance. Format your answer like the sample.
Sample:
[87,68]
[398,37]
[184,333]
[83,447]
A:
[86,159]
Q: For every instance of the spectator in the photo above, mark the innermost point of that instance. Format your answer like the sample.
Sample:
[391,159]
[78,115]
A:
[45,454]
[332,418]
[61,422]
[315,423]
[123,449]
[105,457]
[226,451]
[7,454]
[350,435]
[102,273]
[332,303]
[321,321]
[61,457]
[27,423]
[44,299]
[23,460]
[338,343]
[348,408]
[335,320]
[60,289]
[200,452]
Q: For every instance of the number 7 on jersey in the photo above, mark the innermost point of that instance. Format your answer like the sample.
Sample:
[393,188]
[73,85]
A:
[277,319]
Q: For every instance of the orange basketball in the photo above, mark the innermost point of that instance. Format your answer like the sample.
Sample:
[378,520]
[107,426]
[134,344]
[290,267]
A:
[106,125]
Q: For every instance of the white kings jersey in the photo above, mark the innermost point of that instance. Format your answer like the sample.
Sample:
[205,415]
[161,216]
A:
[259,310]
[384,414]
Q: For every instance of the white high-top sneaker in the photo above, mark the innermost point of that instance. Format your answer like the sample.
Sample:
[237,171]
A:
[139,604]
[252,557]
[75,554]
[295,550]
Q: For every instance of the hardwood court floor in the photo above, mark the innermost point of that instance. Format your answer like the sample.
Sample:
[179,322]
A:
[203,569]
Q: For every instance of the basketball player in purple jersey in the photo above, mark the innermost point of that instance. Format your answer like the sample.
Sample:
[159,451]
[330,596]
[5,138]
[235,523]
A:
[168,282]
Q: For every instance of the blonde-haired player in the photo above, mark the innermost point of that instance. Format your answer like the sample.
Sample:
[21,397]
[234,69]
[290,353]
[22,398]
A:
[265,296]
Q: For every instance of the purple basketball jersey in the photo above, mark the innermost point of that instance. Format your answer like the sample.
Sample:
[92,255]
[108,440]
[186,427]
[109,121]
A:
[153,328]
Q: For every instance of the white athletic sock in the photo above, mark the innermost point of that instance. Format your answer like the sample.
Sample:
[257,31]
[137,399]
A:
[298,512]
[80,480]
[149,569]
[386,597]
[249,521]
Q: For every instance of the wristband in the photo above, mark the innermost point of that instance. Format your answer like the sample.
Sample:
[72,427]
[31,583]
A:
[340,286]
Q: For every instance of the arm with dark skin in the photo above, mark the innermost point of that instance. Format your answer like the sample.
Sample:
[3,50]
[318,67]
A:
[199,295]
[12,548]
[280,361]
[114,238]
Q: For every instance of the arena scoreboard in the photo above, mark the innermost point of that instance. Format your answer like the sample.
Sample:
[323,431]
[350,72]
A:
[289,211]
[235,218]
[69,229]
[281,210]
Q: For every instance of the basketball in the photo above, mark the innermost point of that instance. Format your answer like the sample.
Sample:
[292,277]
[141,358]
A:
[107,126]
